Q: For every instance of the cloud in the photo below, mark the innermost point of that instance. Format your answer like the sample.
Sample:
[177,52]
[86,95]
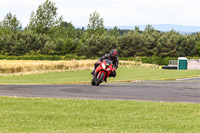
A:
[114,12]
[21,8]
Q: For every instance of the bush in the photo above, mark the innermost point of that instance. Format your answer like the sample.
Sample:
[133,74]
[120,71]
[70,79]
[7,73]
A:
[156,60]
[151,60]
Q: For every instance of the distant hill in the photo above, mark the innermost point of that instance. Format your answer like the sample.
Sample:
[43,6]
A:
[167,27]
[183,29]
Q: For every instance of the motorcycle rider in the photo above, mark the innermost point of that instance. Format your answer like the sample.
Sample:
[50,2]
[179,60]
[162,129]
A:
[112,56]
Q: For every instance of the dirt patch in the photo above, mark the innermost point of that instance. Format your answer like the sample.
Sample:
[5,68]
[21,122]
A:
[193,64]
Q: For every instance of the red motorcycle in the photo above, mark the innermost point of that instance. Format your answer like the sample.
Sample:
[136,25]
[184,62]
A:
[102,72]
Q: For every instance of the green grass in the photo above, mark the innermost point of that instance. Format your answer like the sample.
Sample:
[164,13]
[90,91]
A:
[66,115]
[123,74]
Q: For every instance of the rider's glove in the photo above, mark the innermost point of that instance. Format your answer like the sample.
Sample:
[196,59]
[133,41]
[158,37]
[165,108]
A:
[113,69]
[98,61]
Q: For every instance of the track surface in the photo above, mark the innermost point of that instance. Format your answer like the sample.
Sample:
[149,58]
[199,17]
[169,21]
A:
[170,91]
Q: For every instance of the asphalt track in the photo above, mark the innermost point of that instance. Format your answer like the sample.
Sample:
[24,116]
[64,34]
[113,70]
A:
[187,90]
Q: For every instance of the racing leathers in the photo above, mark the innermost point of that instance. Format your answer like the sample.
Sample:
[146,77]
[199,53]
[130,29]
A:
[114,60]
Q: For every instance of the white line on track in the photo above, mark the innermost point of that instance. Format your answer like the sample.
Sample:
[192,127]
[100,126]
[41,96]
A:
[189,78]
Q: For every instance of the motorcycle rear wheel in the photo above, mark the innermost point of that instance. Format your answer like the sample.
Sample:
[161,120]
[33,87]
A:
[93,82]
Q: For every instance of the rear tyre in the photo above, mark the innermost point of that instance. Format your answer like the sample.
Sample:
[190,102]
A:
[99,80]
[93,82]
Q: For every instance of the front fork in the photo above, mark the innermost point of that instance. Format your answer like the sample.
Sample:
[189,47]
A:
[96,75]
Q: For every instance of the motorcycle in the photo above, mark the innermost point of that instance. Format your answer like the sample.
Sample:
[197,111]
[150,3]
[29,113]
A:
[102,72]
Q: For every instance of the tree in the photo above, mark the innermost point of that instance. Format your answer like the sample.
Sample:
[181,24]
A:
[70,29]
[149,29]
[95,24]
[149,38]
[44,18]
[69,46]
[90,40]
[64,37]
[11,23]
[7,41]
[130,44]
[114,32]
[107,42]
[168,44]
[192,45]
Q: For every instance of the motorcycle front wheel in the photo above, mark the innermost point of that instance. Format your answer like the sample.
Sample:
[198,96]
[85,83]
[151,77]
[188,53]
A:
[99,80]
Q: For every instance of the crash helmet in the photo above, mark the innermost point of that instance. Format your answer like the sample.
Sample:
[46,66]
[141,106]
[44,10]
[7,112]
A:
[113,52]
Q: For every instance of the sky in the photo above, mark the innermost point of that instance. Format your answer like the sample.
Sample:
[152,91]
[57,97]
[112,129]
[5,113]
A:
[113,12]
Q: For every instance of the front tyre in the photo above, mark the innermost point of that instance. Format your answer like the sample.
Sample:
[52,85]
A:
[99,80]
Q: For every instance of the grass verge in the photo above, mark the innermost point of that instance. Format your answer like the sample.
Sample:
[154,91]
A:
[66,115]
[84,76]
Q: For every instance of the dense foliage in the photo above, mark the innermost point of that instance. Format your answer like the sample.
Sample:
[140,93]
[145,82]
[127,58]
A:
[49,34]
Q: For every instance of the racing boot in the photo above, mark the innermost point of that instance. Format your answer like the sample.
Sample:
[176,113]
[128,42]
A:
[93,71]
[105,79]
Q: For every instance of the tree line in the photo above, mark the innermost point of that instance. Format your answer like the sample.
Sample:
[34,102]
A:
[48,34]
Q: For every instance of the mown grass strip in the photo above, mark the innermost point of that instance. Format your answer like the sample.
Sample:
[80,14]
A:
[66,115]
[123,74]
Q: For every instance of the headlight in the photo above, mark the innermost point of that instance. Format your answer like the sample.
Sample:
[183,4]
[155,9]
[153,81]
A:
[108,69]
[103,66]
